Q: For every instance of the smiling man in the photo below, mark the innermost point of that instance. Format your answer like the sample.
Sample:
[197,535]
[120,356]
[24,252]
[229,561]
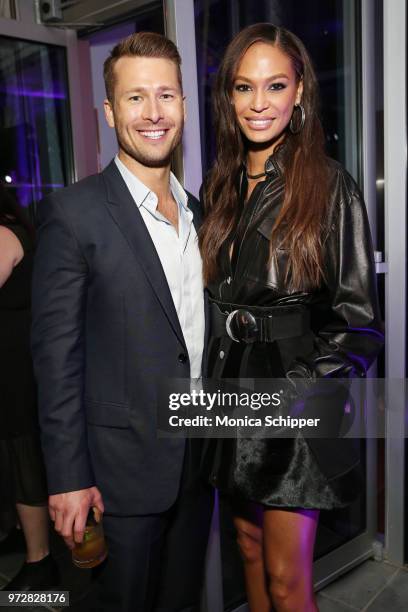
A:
[118,307]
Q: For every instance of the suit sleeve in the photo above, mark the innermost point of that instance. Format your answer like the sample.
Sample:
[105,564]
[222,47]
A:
[352,334]
[58,311]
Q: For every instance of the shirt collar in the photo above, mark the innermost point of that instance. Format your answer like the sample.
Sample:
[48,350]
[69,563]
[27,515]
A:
[140,192]
[178,192]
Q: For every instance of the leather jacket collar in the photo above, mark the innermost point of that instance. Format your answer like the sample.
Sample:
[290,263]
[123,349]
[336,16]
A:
[275,164]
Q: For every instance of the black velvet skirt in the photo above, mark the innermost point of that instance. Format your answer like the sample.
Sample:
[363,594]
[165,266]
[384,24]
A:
[277,473]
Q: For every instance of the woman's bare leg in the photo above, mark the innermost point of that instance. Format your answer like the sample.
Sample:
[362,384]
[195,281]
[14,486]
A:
[35,524]
[289,537]
[248,524]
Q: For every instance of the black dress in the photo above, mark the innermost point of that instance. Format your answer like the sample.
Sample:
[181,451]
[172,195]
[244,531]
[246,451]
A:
[343,340]
[22,474]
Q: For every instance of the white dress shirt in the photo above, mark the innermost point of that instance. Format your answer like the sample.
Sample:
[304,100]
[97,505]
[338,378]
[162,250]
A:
[179,256]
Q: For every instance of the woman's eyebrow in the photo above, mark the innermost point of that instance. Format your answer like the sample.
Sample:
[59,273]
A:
[280,75]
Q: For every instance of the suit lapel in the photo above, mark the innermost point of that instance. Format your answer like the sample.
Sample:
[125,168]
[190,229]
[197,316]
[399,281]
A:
[130,222]
[195,208]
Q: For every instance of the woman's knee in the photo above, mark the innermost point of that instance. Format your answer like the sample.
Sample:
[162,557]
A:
[280,583]
[288,590]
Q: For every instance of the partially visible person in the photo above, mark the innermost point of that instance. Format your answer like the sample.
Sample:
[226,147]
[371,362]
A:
[23,491]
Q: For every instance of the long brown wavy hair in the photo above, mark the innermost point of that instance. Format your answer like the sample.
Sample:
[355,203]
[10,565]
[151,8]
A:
[298,226]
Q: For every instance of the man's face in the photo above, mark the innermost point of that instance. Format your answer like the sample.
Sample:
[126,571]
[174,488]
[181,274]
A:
[148,110]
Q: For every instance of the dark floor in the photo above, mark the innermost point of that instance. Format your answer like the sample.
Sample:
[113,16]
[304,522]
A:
[76,581]
[373,586]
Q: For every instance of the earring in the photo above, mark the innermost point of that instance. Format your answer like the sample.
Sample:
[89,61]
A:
[292,127]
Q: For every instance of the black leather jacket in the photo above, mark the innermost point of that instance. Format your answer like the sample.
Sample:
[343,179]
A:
[346,331]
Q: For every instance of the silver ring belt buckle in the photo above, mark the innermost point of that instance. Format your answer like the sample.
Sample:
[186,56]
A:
[242,326]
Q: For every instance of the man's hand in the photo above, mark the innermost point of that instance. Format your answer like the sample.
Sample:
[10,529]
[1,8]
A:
[69,512]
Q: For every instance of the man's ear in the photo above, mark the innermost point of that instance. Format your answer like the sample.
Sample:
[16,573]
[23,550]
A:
[184,108]
[110,119]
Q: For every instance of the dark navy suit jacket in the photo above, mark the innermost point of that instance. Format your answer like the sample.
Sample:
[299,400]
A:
[105,333]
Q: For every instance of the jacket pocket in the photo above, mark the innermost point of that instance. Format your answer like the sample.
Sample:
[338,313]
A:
[107,414]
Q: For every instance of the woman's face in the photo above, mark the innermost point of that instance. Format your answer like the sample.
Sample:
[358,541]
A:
[265,90]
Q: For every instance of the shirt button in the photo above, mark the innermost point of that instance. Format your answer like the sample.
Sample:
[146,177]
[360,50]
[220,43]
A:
[222,354]
[182,358]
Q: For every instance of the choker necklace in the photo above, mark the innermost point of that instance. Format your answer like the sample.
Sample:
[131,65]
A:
[254,176]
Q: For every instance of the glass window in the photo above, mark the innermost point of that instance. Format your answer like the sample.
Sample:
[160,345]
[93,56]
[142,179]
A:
[35,134]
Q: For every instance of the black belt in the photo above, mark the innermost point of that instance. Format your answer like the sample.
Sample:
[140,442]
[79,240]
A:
[250,324]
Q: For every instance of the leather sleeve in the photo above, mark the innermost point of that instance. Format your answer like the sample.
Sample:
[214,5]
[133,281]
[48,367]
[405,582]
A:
[58,311]
[352,334]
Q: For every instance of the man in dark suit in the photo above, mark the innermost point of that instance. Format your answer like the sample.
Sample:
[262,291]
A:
[118,307]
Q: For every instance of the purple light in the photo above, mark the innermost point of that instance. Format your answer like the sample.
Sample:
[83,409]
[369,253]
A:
[369,331]
[16,91]
[297,408]
[360,360]
[32,185]
[23,169]
[38,194]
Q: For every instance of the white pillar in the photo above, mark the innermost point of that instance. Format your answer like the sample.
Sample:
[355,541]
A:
[395,184]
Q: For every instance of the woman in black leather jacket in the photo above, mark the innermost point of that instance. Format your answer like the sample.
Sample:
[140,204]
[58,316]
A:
[286,234]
